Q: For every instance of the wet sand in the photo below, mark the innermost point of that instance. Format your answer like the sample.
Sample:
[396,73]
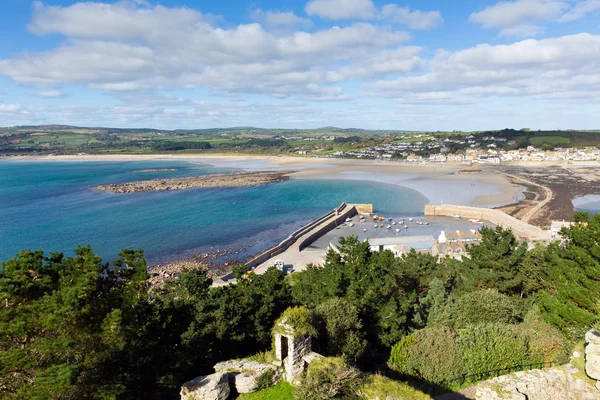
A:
[438,182]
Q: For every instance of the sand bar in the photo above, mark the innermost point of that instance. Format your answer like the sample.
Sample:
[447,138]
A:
[438,182]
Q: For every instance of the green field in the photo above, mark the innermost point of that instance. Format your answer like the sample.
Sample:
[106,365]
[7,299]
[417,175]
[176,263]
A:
[553,140]
[281,391]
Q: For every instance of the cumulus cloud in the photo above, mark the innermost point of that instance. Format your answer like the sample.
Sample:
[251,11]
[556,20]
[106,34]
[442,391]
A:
[51,94]
[541,68]
[341,9]
[581,9]
[279,18]
[414,19]
[366,10]
[518,17]
[120,47]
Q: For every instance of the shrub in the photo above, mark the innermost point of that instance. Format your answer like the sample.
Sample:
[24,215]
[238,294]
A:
[300,319]
[491,349]
[329,378]
[479,307]
[343,327]
[265,380]
[429,354]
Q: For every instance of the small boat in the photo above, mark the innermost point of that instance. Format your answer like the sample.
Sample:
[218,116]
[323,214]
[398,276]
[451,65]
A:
[351,225]
[475,221]
[425,223]
[419,223]
[381,226]
[364,230]
[455,216]
[397,230]
[381,219]
[388,226]
[394,223]
[405,226]
[410,219]
[389,219]
[348,219]
[375,226]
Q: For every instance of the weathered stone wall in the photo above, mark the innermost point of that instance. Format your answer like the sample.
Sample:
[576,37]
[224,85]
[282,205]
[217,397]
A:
[549,384]
[209,387]
[294,364]
[520,229]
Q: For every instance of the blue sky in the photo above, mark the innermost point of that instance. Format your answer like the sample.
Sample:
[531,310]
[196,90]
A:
[426,65]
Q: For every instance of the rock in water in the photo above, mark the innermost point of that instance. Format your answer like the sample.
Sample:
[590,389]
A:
[209,387]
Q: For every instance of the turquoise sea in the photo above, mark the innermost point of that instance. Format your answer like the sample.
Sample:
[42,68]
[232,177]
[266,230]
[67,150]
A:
[49,205]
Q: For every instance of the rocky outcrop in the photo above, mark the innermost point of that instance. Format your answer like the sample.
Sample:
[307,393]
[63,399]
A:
[549,384]
[243,374]
[209,387]
[592,355]
[238,179]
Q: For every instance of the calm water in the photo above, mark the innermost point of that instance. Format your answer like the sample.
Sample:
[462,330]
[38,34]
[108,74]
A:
[48,205]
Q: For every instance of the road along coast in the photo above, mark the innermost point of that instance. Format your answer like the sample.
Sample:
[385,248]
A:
[238,179]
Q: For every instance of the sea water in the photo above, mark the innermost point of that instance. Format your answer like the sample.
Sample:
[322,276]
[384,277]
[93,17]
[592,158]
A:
[49,205]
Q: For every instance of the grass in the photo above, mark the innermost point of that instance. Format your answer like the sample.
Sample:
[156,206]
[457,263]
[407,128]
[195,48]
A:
[381,387]
[281,391]
[554,140]
[265,357]
[579,363]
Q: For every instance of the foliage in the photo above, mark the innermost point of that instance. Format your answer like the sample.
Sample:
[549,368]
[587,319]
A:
[281,391]
[265,380]
[174,146]
[300,319]
[66,321]
[343,327]
[329,378]
[490,349]
[478,307]
[429,354]
[263,357]
[380,387]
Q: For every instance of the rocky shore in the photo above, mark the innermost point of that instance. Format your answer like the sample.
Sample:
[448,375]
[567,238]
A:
[216,264]
[238,179]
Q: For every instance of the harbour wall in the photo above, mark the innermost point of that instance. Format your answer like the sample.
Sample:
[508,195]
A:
[328,221]
[521,229]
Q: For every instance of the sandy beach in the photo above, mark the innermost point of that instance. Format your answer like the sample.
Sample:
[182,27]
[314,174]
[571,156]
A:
[438,182]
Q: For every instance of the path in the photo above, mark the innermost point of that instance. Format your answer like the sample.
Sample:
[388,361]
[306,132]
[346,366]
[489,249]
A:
[531,213]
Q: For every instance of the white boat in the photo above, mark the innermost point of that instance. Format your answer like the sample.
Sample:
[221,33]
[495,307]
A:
[388,226]
[475,221]
[375,226]
[389,219]
[455,216]
[394,223]
[364,230]
[419,223]
[425,223]
[410,219]
[348,219]
[397,230]
[351,225]
[405,227]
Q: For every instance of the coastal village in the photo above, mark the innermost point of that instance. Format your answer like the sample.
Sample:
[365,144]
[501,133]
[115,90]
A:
[488,154]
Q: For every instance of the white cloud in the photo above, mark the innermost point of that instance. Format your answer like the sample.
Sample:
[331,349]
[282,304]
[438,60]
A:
[341,9]
[10,108]
[519,17]
[51,94]
[279,18]
[121,47]
[580,10]
[366,10]
[540,68]
[415,19]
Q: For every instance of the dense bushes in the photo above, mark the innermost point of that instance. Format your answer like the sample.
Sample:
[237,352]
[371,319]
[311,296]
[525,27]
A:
[76,328]
[329,378]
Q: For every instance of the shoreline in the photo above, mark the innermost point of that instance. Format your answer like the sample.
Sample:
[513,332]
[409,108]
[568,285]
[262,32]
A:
[427,179]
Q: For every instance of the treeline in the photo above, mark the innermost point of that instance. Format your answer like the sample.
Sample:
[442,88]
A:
[175,146]
[75,327]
